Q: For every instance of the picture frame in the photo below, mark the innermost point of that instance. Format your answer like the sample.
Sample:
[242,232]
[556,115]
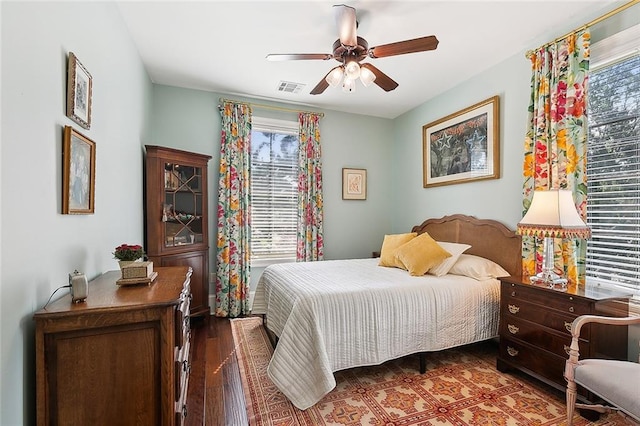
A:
[79,173]
[79,91]
[463,146]
[354,184]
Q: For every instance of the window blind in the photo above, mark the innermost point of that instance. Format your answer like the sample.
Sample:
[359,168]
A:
[613,170]
[274,190]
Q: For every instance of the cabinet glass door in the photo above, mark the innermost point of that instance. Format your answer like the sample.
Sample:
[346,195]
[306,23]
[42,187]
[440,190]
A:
[182,210]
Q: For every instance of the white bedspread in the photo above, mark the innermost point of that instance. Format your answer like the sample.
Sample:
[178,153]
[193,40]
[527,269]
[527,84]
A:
[338,314]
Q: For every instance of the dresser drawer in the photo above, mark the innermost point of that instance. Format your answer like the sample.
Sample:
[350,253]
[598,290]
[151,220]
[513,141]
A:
[514,309]
[541,337]
[523,356]
[563,302]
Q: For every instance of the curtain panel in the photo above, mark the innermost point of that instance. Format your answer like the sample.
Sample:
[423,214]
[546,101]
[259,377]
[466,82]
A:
[234,200]
[555,150]
[310,243]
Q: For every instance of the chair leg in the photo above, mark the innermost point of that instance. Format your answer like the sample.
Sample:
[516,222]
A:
[571,401]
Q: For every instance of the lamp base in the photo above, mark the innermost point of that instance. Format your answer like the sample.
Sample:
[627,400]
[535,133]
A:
[550,279]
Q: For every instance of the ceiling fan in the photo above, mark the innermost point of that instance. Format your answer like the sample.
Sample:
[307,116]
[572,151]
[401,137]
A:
[350,50]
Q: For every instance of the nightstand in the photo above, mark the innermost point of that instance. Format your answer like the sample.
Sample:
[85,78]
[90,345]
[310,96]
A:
[535,324]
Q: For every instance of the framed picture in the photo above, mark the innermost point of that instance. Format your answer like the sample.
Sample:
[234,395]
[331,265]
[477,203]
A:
[79,173]
[79,87]
[463,146]
[354,184]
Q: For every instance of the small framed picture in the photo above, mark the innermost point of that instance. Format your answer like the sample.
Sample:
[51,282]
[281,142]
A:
[79,173]
[79,88]
[354,184]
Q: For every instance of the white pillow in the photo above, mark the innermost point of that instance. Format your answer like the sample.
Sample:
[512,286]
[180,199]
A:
[456,250]
[477,267]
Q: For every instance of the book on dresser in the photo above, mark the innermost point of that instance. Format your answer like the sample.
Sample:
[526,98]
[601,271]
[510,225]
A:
[120,357]
[535,328]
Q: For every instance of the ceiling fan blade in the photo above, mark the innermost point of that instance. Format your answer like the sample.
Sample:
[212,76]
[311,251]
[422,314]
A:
[346,24]
[401,47]
[298,56]
[384,81]
[321,86]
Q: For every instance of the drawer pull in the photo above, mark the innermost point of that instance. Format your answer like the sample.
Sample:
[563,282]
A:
[512,351]
[567,349]
[513,294]
[514,309]
[567,325]
[571,309]
[513,329]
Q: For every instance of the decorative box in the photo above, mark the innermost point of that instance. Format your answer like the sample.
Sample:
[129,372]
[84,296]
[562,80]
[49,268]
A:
[137,270]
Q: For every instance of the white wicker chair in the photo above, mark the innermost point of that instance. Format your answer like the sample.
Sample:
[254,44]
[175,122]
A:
[617,382]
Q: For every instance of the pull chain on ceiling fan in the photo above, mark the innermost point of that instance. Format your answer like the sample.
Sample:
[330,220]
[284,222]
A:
[350,50]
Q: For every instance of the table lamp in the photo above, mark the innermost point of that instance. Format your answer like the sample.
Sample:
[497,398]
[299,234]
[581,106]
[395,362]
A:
[552,214]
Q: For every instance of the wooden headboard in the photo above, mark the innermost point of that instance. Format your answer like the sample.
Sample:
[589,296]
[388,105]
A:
[488,238]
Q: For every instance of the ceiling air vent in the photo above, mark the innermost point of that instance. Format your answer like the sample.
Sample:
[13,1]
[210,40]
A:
[290,87]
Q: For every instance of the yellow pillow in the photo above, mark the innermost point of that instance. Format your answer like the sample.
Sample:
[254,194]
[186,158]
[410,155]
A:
[389,246]
[421,254]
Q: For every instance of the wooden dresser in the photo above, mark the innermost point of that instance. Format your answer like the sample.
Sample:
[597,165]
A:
[120,357]
[535,324]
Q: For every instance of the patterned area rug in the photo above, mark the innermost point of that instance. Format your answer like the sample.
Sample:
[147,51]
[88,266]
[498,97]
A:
[461,387]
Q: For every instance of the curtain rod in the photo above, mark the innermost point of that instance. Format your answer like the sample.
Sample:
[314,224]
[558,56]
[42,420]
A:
[588,24]
[275,108]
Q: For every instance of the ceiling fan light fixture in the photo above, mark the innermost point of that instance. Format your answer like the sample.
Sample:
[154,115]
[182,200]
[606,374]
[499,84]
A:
[352,70]
[349,85]
[366,76]
[335,76]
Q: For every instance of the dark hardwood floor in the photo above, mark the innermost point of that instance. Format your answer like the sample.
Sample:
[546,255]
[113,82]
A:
[215,395]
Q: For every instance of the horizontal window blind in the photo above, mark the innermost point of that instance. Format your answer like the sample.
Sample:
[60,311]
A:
[274,190]
[613,172]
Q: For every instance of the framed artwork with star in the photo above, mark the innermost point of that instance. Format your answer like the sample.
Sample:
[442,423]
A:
[463,146]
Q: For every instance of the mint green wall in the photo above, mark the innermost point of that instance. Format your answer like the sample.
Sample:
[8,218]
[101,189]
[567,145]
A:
[498,199]
[40,246]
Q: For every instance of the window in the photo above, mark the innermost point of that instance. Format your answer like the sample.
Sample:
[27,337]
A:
[274,190]
[613,162]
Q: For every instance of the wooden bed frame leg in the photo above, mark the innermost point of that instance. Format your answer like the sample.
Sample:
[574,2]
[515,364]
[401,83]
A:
[423,362]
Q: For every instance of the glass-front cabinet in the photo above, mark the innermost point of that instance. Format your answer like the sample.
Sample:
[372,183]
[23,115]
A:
[176,231]
[182,209]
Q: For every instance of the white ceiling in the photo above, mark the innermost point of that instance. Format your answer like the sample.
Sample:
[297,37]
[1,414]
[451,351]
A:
[220,46]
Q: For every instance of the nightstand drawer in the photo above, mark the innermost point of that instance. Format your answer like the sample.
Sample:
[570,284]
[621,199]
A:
[542,363]
[547,298]
[540,337]
[518,309]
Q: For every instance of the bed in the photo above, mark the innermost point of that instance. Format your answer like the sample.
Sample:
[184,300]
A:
[338,314]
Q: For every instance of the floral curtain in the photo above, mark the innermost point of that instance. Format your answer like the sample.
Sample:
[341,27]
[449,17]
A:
[310,243]
[556,143]
[233,254]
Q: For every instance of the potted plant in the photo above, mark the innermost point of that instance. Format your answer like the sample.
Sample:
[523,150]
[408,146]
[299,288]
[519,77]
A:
[128,253]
